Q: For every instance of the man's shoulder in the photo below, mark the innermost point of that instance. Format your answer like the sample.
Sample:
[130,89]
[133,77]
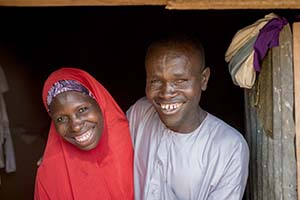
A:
[226,136]
[140,105]
[224,129]
[139,109]
[220,123]
[143,101]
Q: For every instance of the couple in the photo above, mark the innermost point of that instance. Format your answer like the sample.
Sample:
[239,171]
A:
[180,150]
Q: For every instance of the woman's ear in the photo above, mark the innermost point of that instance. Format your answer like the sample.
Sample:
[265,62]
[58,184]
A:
[204,78]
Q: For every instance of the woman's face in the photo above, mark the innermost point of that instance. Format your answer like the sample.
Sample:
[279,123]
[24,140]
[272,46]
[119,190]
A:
[77,118]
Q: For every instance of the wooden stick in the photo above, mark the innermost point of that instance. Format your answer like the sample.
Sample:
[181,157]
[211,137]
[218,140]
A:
[296,58]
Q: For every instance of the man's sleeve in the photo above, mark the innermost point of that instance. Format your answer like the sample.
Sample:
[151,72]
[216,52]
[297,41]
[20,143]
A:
[134,115]
[233,183]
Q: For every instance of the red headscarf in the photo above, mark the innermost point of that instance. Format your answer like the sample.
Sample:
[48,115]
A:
[105,172]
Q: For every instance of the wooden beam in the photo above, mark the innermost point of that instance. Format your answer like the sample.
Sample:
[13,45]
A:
[296,58]
[169,4]
[27,3]
[232,4]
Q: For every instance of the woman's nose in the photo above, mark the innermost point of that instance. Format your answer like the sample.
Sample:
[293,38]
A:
[76,124]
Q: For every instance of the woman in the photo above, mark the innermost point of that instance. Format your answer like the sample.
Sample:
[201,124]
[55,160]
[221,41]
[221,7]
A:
[89,154]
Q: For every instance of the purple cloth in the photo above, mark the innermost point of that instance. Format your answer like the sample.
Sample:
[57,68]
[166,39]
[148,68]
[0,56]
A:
[268,37]
[64,86]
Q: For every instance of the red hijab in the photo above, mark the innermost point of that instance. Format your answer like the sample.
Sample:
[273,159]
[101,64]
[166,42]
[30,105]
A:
[105,172]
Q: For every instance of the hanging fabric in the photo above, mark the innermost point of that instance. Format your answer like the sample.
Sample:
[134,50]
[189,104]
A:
[245,34]
[7,154]
[241,66]
[249,46]
[267,38]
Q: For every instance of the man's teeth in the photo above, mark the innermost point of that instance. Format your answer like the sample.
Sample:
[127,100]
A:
[84,137]
[170,106]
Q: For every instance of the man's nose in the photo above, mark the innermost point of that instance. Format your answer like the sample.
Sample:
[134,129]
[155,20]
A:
[167,90]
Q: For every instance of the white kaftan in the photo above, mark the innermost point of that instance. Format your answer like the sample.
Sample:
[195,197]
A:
[210,163]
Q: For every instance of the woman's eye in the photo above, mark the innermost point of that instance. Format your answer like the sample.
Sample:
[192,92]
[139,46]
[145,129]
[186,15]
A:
[60,119]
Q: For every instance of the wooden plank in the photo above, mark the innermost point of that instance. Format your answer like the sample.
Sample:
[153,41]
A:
[296,59]
[287,107]
[270,168]
[251,137]
[80,2]
[250,125]
[264,119]
[232,4]
[277,124]
[169,4]
[284,122]
[264,164]
[273,162]
[259,161]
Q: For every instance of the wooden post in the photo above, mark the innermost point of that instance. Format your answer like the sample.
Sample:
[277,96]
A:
[296,57]
[273,162]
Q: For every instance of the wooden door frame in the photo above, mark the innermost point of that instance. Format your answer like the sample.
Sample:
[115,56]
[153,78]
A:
[199,5]
[296,59]
[168,4]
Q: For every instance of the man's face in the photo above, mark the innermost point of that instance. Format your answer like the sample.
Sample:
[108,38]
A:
[77,118]
[175,80]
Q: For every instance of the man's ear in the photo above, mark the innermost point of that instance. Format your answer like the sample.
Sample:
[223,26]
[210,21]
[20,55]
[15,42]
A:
[204,78]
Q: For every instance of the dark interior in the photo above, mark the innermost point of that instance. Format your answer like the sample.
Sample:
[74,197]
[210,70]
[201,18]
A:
[110,43]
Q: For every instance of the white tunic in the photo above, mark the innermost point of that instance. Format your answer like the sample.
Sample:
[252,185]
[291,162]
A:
[209,163]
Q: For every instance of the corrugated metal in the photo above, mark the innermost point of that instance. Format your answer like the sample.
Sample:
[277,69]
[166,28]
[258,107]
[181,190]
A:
[273,159]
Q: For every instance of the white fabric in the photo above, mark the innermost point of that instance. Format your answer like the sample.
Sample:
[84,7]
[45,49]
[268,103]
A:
[7,155]
[246,33]
[246,75]
[210,163]
[3,82]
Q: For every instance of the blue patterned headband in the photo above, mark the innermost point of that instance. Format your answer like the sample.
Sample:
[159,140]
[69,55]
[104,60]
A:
[64,86]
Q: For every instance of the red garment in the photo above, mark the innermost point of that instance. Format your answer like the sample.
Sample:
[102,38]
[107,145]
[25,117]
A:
[105,172]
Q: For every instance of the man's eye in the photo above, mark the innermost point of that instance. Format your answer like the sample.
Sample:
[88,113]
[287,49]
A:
[180,81]
[83,109]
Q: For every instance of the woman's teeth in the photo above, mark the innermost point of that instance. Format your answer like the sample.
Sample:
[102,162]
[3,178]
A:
[84,137]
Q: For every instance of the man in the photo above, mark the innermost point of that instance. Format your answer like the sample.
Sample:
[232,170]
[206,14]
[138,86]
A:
[182,151]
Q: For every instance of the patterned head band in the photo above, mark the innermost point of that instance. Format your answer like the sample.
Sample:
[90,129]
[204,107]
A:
[64,86]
